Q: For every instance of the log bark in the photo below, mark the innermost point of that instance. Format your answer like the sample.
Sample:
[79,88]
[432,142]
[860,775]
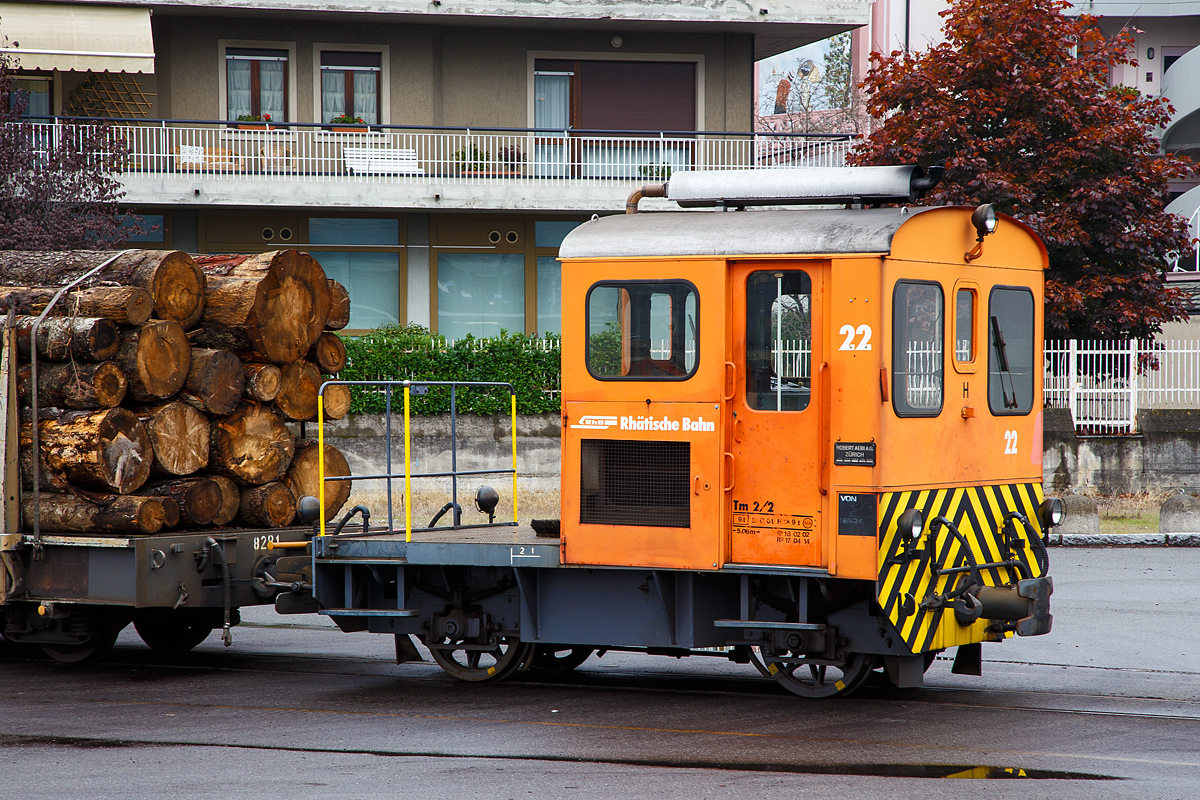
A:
[299,382]
[199,499]
[70,338]
[252,446]
[170,276]
[303,477]
[125,305]
[179,436]
[337,401]
[262,382]
[268,506]
[339,306]
[107,450]
[231,500]
[278,301]
[329,353]
[72,385]
[214,382]
[156,358]
[118,514]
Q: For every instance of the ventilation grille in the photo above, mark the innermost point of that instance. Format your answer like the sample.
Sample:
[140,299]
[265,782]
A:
[635,483]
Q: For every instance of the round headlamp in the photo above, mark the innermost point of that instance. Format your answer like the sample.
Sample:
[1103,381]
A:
[910,524]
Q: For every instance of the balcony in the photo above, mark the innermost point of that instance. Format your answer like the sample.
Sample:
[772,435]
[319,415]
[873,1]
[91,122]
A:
[1179,85]
[220,163]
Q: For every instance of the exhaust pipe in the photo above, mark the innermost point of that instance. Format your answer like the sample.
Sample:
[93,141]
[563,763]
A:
[649,190]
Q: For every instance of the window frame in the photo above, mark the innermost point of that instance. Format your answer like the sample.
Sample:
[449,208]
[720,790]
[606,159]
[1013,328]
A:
[895,390]
[290,96]
[618,283]
[383,84]
[745,360]
[1033,364]
[967,367]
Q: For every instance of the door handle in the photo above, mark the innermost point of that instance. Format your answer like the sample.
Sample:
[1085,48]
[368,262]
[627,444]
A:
[730,380]
[738,431]
[728,471]
[823,426]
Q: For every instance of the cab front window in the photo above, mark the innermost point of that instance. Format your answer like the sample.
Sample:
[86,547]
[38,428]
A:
[642,330]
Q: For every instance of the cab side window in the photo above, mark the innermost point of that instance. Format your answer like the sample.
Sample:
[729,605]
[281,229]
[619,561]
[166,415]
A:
[918,320]
[642,330]
[778,340]
[1010,351]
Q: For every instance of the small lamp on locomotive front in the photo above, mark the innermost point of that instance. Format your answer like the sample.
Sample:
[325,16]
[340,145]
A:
[984,219]
[1051,512]
[911,524]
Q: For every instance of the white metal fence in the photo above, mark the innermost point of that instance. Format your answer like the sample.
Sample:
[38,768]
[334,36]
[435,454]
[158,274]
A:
[395,154]
[1105,383]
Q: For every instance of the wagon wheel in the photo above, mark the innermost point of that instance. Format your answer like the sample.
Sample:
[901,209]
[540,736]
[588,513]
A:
[559,657]
[494,664]
[171,633]
[91,649]
[813,679]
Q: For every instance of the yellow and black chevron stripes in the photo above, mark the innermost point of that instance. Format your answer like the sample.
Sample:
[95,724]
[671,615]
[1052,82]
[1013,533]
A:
[978,513]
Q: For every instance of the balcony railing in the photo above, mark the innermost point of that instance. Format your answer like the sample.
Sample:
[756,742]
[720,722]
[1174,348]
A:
[223,151]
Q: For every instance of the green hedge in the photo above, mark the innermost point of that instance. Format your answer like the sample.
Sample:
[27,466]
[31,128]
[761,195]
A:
[532,364]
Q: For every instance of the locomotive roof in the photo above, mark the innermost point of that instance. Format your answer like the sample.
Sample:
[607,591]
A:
[737,233]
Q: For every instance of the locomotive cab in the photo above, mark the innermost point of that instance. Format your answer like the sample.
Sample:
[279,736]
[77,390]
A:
[848,393]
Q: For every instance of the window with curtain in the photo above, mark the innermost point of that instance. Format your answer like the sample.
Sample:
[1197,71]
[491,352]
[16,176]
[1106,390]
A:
[480,294]
[350,85]
[256,83]
[371,278]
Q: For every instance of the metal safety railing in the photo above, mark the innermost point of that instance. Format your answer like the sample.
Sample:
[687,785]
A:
[419,388]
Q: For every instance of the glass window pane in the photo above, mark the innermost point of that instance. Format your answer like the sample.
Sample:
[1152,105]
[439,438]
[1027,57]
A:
[238,88]
[778,340]
[480,294]
[1010,351]
[642,330]
[549,295]
[333,94]
[271,88]
[335,230]
[365,101]
[548,233]
[917,371]
[551,101]
[373,281]
[964,325]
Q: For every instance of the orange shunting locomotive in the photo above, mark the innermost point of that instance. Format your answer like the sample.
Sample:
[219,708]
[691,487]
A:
[806,439]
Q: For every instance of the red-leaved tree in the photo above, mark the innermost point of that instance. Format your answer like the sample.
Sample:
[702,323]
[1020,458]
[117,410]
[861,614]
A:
[58,185]
[1017,104]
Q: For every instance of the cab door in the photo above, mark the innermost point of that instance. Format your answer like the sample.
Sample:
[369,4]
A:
[775,413]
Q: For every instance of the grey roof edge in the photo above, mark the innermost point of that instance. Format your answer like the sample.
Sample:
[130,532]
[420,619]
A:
[738,233]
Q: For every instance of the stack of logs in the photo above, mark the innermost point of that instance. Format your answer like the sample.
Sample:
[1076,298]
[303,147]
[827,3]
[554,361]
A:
[165,384]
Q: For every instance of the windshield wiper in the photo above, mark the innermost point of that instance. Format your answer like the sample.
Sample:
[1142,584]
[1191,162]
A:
[1002,357]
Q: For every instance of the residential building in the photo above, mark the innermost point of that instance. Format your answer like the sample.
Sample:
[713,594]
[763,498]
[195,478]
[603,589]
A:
[432,155]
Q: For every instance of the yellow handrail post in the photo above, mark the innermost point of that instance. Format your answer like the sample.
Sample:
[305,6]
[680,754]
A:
[407,469]
[321,454]
[514,454]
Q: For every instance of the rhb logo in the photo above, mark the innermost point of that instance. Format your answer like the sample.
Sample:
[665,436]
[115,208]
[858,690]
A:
[590,423]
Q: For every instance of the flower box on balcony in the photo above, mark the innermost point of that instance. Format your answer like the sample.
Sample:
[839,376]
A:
[349,129]
[250,126]
[489,173]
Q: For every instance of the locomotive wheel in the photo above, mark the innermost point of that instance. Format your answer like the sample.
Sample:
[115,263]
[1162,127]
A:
[560,658]
[171,633]
[817,681]
[476,666]
[92,649]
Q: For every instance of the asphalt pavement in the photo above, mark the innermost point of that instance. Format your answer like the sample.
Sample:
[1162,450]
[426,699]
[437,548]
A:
[1107,705]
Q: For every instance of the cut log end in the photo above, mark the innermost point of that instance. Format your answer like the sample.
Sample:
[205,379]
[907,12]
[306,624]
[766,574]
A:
[297,398]
[268,506]
[74,385]
[339,306]
[156,359]
[215,381]
[304,477]
[329,353]
[252,446]
[337,401]
[231,499]
[263,382]
[179,435]
[178,288]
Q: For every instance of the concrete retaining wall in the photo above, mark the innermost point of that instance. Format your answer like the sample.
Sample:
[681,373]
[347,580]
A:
[1166,454]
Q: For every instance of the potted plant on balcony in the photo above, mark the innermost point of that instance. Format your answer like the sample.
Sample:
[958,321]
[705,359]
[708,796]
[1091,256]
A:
[344,123]
[472,161]
[511,159]
[255,122]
